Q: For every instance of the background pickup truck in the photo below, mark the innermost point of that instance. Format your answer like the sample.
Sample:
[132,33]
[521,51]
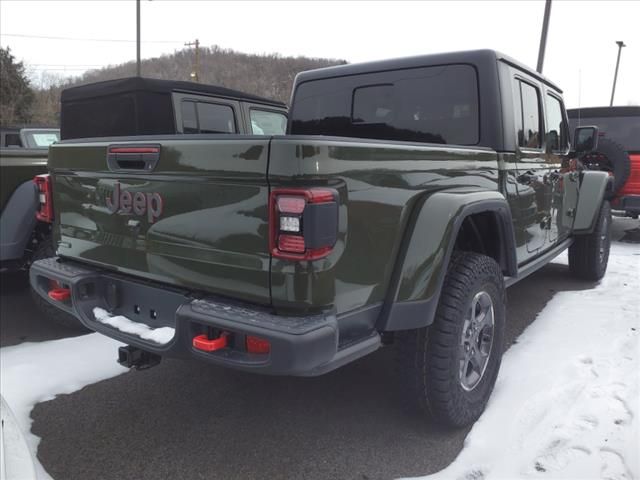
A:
[23,155]
[618,152]
[407,195]
[146,106]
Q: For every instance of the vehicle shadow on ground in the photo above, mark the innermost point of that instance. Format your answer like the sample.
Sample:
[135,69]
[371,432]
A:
[20,320]
[185,419]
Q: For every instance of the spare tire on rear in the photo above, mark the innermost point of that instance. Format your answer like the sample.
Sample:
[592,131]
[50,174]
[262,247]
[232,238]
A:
[618,160]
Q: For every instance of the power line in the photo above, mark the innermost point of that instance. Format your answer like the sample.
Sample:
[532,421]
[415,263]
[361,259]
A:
[120,40]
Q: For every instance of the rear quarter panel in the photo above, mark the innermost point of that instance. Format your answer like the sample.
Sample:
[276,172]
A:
[379,185]
[18,166]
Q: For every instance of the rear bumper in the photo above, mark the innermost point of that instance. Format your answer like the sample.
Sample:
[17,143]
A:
[628,203]
[306,346]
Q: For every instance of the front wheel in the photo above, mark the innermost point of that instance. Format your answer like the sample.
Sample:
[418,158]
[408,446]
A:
[589,254]
[450,367]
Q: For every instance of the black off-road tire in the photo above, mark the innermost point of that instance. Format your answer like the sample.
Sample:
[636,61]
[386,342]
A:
[589,254]
[619,160]
[430,359]
[45,250]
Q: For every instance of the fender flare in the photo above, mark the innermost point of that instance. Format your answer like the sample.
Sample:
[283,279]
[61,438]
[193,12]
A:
[426,250]
[593,185]
[17,221]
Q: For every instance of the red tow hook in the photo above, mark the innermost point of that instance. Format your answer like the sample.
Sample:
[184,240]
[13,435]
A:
[60,294]
[206,344]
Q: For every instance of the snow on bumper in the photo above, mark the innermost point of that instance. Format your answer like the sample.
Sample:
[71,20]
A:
[161,336]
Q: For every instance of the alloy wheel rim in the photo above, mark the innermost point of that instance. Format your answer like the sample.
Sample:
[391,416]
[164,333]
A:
[476,341]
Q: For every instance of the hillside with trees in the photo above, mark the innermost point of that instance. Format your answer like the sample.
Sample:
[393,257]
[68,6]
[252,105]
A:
[268,75]
[16,94]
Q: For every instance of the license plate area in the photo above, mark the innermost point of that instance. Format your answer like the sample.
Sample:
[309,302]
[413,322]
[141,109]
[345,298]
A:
[139,302]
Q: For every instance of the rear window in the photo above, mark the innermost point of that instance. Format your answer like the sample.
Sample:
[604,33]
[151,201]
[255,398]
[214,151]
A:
[42,139]
[131,113]
[624,130]
[430,104]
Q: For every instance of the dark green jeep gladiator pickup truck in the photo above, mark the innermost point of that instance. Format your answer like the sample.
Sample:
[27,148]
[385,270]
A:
[404,199]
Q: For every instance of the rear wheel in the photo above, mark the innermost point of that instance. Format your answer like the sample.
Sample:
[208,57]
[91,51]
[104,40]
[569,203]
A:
[589,254]
[45,250]
[449,368]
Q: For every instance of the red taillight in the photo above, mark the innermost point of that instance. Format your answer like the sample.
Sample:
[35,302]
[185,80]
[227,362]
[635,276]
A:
[303,223]
[257,345]
[45,198]
[291,243]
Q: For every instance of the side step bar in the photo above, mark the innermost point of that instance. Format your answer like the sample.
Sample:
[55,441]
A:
[528,268]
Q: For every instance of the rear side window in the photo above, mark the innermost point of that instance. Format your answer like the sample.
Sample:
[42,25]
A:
[202,117]
[214,118]
[430,104]
[528,115]
[557,135]
[189,117]
[267,123]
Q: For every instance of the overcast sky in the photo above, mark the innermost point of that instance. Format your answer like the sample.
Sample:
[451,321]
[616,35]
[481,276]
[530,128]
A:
[580,58]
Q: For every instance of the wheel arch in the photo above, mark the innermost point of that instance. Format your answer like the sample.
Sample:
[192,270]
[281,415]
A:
[429,242]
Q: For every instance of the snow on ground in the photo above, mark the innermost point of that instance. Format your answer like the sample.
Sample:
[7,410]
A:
[16,461]
[567,399]
[36,372]
[161,336]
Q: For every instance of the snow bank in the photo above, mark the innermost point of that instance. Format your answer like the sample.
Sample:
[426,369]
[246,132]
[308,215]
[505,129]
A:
[36,372]
[566,402]
[161,336]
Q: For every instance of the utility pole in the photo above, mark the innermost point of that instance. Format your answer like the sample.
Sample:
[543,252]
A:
[138,69]
[543,35]
[615,76]
[195,74]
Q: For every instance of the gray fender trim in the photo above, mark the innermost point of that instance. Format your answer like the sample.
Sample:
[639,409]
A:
[17,221]
[420,313]
[592,189]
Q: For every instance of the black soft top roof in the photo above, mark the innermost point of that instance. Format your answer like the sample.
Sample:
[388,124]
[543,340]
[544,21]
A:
[604,112]
[474,57]
[123,85]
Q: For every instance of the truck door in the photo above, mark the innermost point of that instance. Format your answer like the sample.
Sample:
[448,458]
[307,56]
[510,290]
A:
[562,176]
[534,190]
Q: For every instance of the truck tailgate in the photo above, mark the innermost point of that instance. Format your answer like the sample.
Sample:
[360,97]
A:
[184,211]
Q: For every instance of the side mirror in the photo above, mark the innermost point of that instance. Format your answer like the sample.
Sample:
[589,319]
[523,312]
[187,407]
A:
[585,139]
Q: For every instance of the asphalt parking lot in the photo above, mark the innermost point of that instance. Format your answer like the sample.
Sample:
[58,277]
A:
[188,420]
